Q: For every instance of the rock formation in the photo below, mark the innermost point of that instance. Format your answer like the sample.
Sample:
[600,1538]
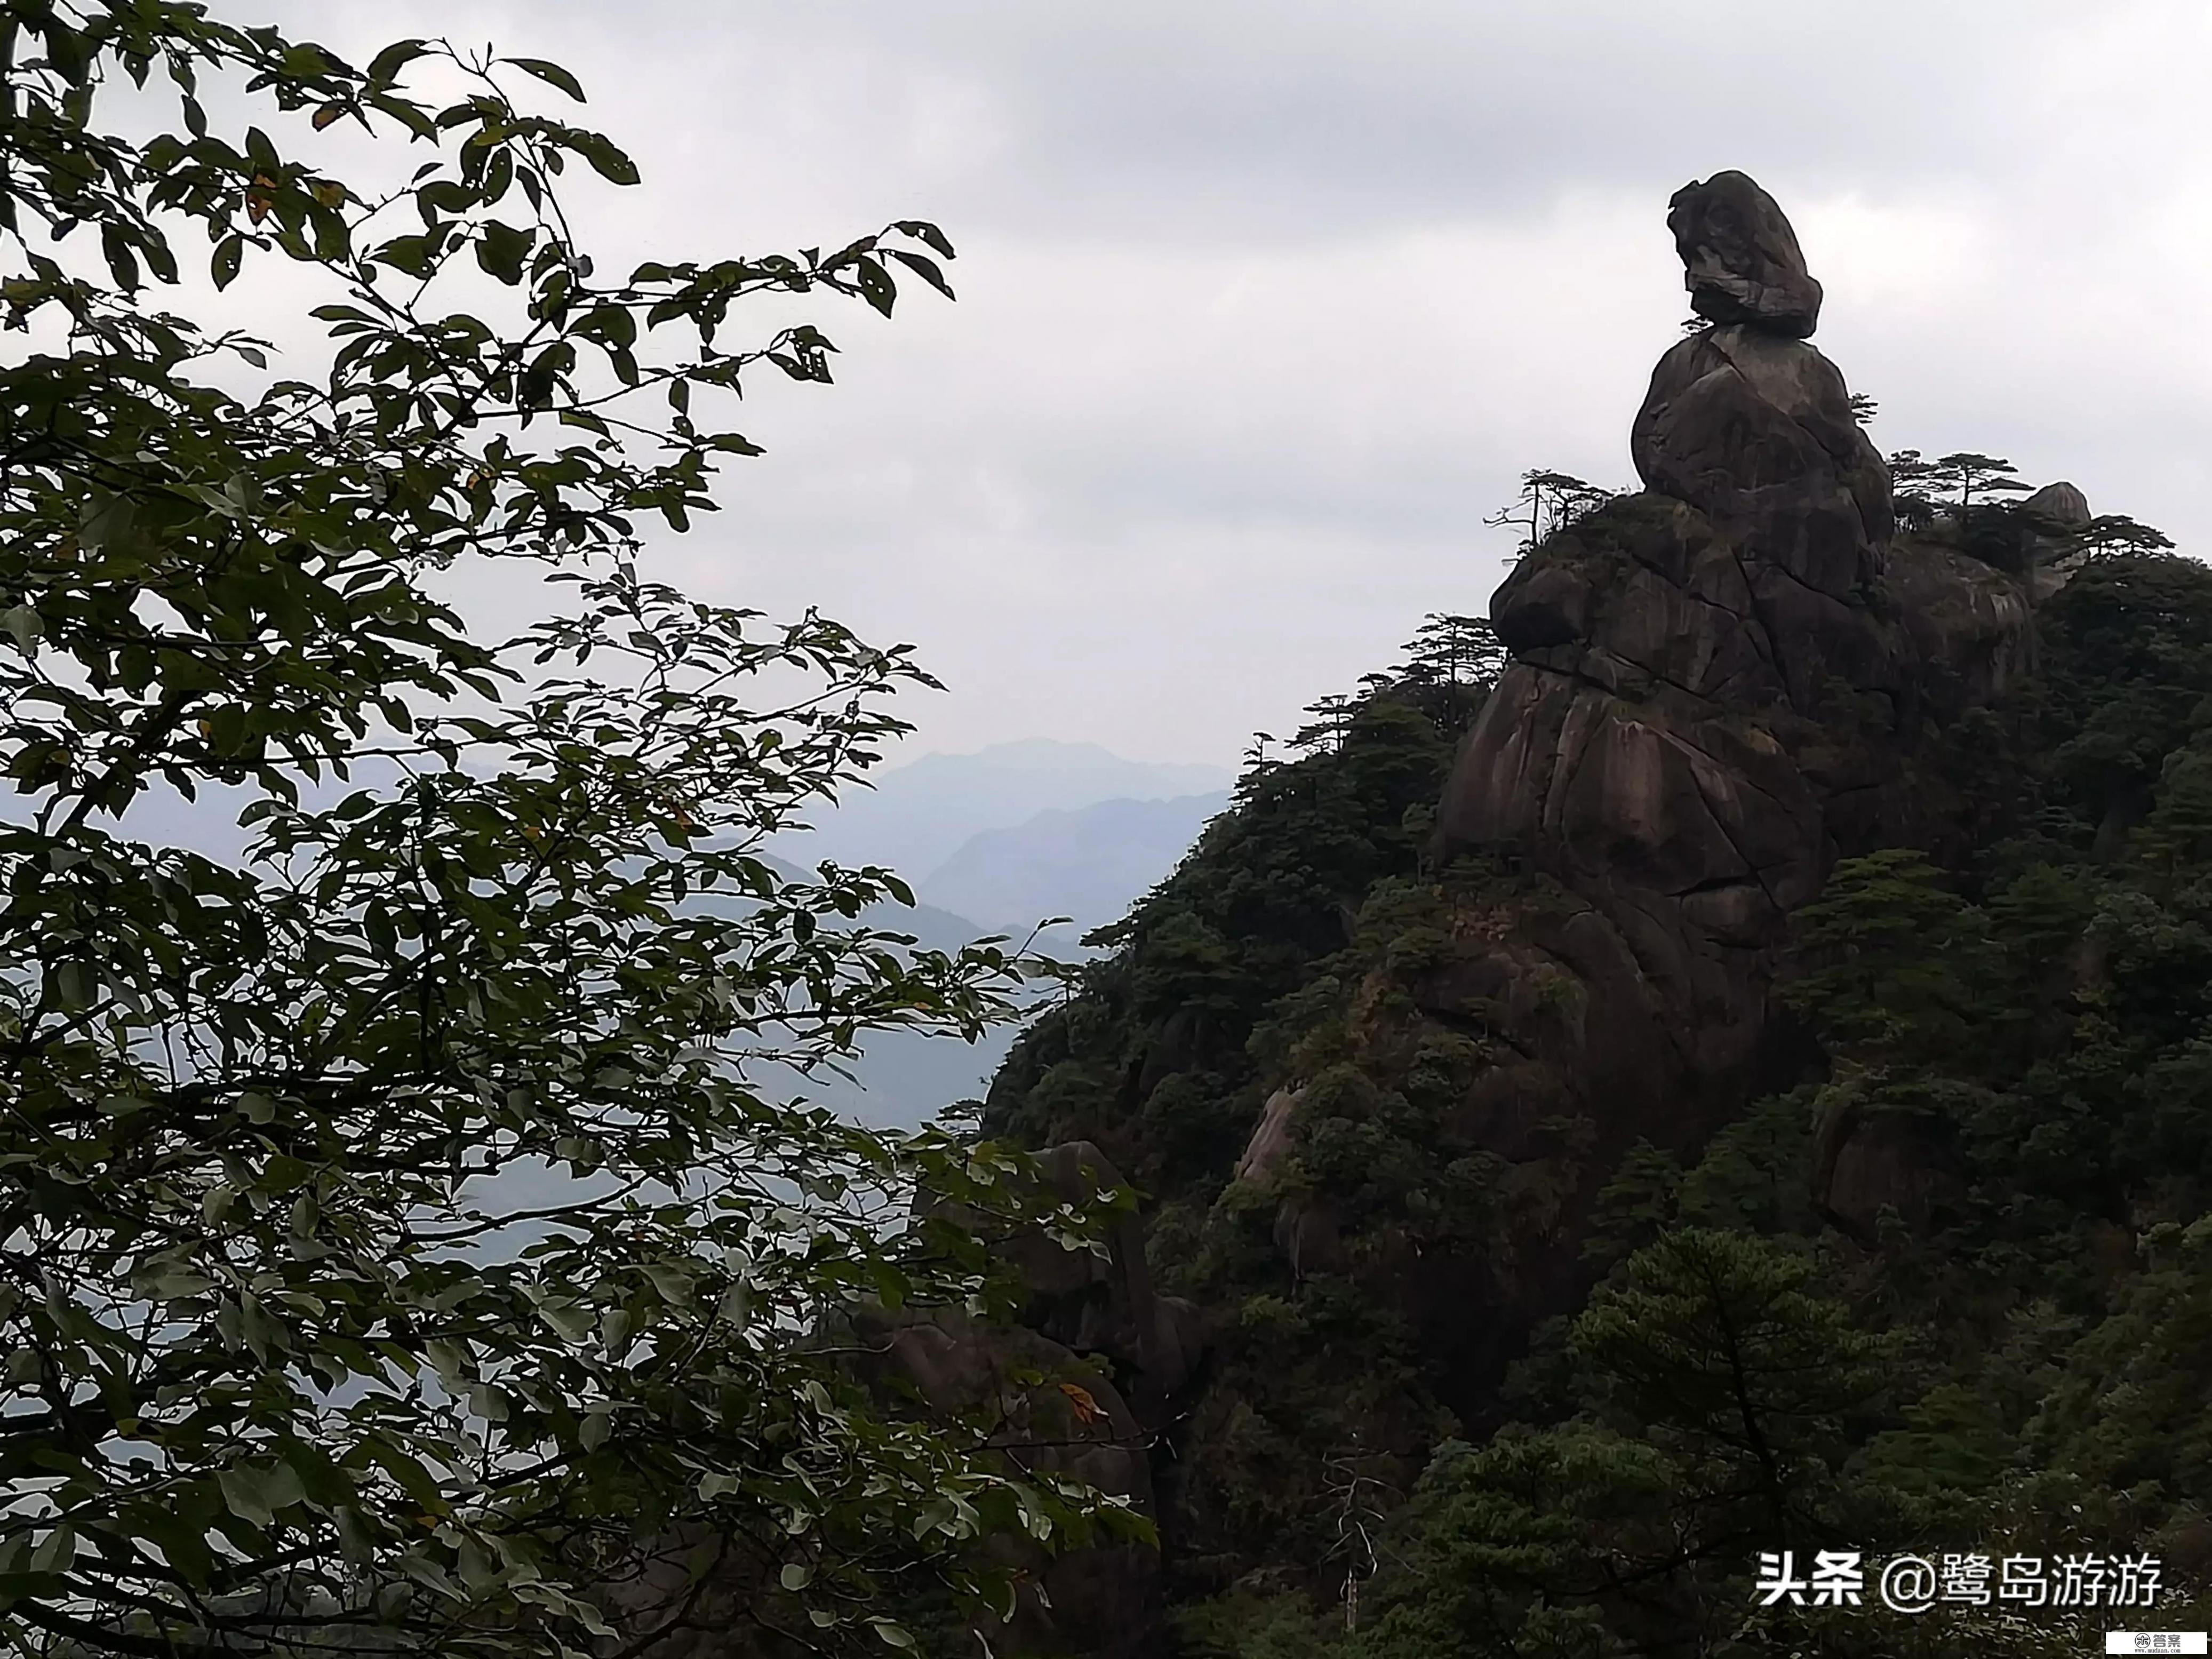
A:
[1740,257]
[1720,685]
[1717,684]
[2051,516]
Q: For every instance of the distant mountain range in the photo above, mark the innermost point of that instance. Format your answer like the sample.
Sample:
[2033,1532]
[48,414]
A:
[1088,864]
[1002,839]
[918,816]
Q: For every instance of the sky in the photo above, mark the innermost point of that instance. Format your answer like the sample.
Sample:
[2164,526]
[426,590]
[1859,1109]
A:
[1264,308]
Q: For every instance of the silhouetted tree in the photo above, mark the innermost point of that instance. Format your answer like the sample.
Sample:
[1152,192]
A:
[1454,651]
[1952,480]
[1332,718]
[279,1380]
[1548,502]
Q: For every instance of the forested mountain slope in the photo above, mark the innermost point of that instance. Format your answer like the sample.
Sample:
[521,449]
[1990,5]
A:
[1576,1204]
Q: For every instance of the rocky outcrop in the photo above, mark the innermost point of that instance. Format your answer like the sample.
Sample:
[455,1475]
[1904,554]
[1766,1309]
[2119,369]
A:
[1719,685]
[1873,1168]
[1048,1410]
[1716,689]
[1106,1306]
[1741,260]
[2053,517]
[1271,1137]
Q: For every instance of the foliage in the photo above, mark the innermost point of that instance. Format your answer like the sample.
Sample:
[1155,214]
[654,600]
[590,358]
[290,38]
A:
[2000,1349]
[1548,502]
[1453,650]
[1890,958]
[1718,1385]
[1227,980]
[286,1366]
[1956,477]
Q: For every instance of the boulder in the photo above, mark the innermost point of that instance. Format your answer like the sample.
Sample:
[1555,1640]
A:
[2052,557]
[2061,504]
[1740,257]
[1757,433]
[1271,1137]
[1870,1166]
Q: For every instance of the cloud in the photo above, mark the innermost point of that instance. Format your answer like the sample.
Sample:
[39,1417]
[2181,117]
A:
[1263,306]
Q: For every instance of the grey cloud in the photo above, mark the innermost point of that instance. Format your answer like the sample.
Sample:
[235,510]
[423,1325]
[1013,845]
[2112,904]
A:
[1261,120]
[1264,305]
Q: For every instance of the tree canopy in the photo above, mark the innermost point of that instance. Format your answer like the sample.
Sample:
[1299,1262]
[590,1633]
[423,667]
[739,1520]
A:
[407,1243]
[1942,1292]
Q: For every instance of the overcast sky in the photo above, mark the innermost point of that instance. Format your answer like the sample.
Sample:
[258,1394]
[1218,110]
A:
[1263,307]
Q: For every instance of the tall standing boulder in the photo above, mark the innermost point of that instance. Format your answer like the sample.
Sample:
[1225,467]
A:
[1716,689]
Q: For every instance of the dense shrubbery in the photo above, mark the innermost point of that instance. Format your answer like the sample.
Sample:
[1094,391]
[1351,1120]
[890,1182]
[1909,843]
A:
[2027,1012]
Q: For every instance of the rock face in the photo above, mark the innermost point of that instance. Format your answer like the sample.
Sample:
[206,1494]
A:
[1103,1599]
[2050,558]
[1717,687]
[1740,256]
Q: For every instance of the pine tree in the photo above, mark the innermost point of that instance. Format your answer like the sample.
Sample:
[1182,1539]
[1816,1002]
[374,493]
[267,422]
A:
[1454,651]
[1548,502]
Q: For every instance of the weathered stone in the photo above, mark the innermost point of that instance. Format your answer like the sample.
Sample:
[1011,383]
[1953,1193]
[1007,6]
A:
[1049,1409]
[1969,625]
[1271,1137]
[1104,1307]
[1741,259]
[1757,433]
[2061,503]
[1306,1232]
[2051,555]
[1870,1166]
[1042,1409]
[1113,1355]
[1716,689]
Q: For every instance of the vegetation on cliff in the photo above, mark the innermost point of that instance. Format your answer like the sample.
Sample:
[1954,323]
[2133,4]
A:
[1945,1285]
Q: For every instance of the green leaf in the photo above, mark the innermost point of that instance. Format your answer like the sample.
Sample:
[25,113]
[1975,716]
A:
[258,1492]
[876,285]
[925,268]
[415,256]
[674,1285]
[922,231]
[552,74]
[385,67]
[24,626]
[260,1097]
[414,1478]
[502,249]
[608,161]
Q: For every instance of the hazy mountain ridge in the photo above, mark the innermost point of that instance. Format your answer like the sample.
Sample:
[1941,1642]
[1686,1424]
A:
[1006,836]
[916,817]
[1089,864]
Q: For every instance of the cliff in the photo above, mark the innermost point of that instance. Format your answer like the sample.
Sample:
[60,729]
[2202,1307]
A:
[1447,1017]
